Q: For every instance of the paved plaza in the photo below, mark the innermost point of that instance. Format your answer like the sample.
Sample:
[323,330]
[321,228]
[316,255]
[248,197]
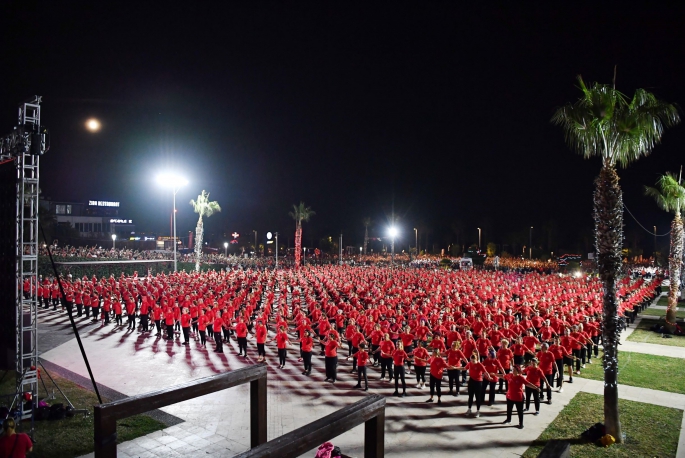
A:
[217,425]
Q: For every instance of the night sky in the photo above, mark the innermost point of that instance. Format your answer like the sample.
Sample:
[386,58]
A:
[348,107]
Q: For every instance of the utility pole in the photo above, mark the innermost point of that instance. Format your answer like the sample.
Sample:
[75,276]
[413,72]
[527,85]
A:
[276,250]
[340,247]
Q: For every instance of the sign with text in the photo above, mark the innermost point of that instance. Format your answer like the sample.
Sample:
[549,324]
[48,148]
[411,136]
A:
[102,203]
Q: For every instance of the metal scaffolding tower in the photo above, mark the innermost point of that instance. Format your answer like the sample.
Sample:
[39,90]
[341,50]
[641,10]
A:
[24,146]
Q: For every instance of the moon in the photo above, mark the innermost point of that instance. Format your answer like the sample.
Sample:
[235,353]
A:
[93,125]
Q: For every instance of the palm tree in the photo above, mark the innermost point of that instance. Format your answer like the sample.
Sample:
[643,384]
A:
[366,222]
[604,122]
[670,197]
[203,207]
[300,213]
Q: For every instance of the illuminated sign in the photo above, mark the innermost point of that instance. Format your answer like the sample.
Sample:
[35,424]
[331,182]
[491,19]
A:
[102,203]
[269,235]
[235,235]
[121,221]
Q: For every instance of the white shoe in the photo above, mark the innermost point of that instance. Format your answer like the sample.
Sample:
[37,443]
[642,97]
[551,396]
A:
[477,413]
[468,412]
[418,385]
[560,390]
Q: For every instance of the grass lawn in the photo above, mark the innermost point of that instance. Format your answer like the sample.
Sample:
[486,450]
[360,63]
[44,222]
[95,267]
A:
[663,300]
[643,334]
[650,430]
[657,312]
[74,436]
[638,369]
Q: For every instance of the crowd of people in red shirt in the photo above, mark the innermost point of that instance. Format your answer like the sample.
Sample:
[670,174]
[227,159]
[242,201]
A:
[492,332]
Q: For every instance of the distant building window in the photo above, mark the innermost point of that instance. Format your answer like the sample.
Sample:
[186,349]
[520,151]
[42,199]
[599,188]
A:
[68,209]
[61,209]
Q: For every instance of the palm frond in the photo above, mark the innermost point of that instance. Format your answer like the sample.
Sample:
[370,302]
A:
[669,193]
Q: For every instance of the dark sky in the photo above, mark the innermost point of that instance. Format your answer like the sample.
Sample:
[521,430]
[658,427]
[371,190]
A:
[346,106]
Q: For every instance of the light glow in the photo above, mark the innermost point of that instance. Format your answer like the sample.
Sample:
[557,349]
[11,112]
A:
[392,232]
[171,180]
[93,125]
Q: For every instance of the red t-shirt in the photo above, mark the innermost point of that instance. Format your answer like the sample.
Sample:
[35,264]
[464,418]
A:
[398,357]
[185,320]
[362,358]
[387,347]
[23,444]
[307,344]
[241,330]
[421,353]
[533,375]
[261,333]
[515,385]
[281,340]
[547,362]
[476,371]
[438,365]
[454,357]
[331,349]
[504,356]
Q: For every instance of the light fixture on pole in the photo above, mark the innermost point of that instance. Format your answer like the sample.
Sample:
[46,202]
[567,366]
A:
[392,232]
[255,242]
[479,233]
[530,243]
[114,241]
[225,249]
[276,234]
[174,182]
[416,235]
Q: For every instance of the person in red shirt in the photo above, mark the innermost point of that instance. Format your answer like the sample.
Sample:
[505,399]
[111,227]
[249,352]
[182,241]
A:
[455,358]
[282,342]
[476,372]
[549,367]
[307,344]
[13,444]
[516,382]
[504,356]
[331,346]
[399,356]
[493,367]
[438,366]
[185,326]
[261,332]
[241,334]
[116,305]
[535,377]
[201,326]
[421,357]
[408,341]
[362,357]
[386,348]
[216,330]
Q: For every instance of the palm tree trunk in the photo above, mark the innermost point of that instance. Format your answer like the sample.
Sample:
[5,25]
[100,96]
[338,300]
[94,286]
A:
[298,245]
[608,215]
[674,260]
[199,232]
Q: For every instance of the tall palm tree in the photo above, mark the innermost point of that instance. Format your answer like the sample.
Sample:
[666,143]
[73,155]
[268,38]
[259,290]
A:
[300,213]
[670,197]
[604,122]
[366,222]
[204,208]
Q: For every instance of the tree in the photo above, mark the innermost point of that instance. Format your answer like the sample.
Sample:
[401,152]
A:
[204,208]
[603,122]
[491,249]
[670,197]
[300,213]
[367,223]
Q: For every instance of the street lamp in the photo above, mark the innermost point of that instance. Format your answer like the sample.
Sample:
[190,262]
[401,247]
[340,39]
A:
[276,234]
[530,243]
[225,249]
[416,235]
[174,182]
[255,242]
[392,232]
[479,232]
[114,241]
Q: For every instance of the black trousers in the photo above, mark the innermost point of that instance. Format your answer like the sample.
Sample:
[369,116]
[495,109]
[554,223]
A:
[307,359]
[492,385]
[96,312]
[119,320]
[595,344]
[536,397]
[408,349]
[519,410]
[503,384]
[399,374]
[420,373]
[144,319]
[242,345]
[375,355]
[186,334]
[169,331]
[361,373]
[453,378]
[217,339]
[203,337]
[560,372]
[261,351]
[435,385]
[386,363]
[131,321]
[354,359]
[79,309]
[331,367]
[550,381]
[475,390]
[576,353]
[106,317]
[282,354]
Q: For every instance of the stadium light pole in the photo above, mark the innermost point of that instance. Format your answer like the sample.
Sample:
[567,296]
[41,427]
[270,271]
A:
[392,232]
[174,182]
[530,243]
[114,241]
[479,232]
[416,237]
[225,249]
